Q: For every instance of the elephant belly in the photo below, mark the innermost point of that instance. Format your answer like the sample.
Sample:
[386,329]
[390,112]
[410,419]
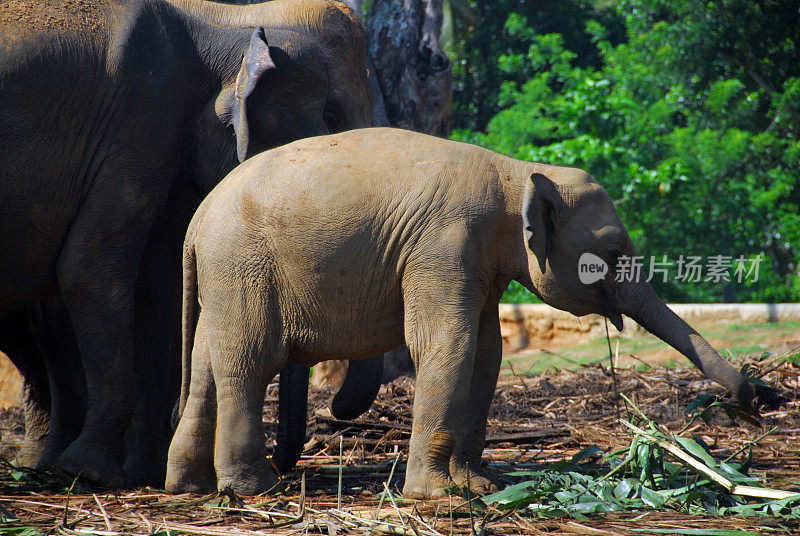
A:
[365,338]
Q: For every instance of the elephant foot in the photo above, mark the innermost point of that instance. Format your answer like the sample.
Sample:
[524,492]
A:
[49,458]
[56,445]
[188,478]
[93,464]
[248,479]
[189,474]
[29,453]
[477,479]
[430,485]
[190,461]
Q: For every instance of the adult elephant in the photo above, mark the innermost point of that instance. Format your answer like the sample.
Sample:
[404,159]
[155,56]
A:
[348,107]
[137,99]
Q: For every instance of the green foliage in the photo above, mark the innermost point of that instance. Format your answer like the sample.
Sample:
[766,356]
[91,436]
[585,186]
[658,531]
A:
[646,475]
[479,36]
[687,112]
[516,293]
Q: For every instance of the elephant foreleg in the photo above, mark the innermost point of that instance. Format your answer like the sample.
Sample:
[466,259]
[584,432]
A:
[158,328]
[444,352]
[360,387]
[292,416]
[469,447]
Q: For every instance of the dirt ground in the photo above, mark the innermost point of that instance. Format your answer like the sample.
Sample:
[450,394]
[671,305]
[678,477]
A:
[534,420]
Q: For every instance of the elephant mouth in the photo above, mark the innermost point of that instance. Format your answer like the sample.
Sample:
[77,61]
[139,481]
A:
[610,309]
[615,317]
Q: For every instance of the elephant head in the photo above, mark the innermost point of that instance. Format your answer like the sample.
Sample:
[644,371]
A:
[340,33]
[277,91]
[567,215]
[278,95]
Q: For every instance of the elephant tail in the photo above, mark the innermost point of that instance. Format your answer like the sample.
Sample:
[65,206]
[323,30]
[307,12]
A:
[189,319]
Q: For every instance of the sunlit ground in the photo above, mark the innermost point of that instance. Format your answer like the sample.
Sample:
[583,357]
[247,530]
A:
[729,339]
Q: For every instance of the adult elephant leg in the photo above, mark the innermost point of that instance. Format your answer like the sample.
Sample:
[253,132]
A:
[355,396]
[96,272]
[359,389]
[158,299]
[190,464]
[397,363]
[292,416]
[56,338]
[466,457]
[17,342]
[37,426]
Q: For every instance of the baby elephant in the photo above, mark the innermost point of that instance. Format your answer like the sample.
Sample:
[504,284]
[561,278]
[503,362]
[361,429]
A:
[349,245]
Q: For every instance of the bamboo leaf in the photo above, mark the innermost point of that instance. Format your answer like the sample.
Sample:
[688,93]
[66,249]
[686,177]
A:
[696,450]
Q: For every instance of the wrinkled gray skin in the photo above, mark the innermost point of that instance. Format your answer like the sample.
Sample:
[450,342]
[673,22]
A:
[62,373]
[404,238]
[138,99]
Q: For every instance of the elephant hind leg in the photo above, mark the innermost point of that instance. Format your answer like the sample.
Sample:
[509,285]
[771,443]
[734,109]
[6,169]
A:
[244,358]
[56,338]
[190,462]
[37,429]
[96,271]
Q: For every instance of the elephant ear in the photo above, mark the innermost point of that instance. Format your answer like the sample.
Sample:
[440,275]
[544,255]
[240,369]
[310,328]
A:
[541,208]
[232,103]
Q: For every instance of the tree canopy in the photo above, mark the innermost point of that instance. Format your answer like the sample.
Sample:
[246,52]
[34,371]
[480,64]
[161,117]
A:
[687,112]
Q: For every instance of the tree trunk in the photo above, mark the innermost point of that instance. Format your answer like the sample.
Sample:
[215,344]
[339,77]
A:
[412,71]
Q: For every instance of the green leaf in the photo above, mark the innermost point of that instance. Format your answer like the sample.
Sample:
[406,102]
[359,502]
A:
[592,507]
[699,401]
[650,497]
[625,487]
[588,452]
[696,450]
[512,495]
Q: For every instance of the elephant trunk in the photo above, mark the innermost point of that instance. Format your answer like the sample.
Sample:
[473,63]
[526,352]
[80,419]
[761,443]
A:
[641,303]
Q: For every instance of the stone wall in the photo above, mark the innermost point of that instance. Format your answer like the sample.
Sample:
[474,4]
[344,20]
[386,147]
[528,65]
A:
[526,324]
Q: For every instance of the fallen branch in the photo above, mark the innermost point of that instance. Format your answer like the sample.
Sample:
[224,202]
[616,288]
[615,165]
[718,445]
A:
[694,463]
